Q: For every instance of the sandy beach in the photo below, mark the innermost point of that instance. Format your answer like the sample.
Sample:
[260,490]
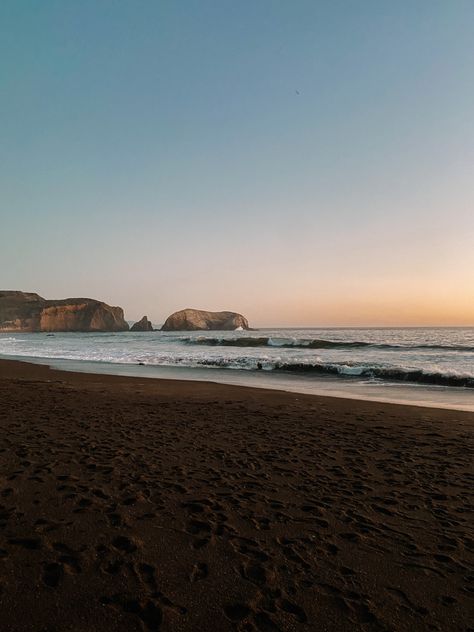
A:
[132,504]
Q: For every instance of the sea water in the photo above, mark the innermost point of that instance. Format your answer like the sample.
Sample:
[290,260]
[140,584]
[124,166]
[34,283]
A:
[433,366]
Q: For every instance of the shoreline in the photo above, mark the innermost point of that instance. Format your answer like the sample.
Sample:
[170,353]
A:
[130,505]
[407,395]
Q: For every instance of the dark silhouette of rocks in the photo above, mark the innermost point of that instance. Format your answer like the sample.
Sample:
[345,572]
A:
[29,312]
[142,325]
[196,319]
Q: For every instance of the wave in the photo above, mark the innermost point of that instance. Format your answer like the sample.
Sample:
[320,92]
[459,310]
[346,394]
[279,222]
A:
[246,363]
[294,343]
[386,374]
[395,374]
[284,343]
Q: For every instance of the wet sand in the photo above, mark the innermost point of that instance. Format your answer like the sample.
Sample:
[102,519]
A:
[135,504]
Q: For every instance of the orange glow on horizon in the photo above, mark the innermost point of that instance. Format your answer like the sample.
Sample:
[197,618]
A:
[380,309]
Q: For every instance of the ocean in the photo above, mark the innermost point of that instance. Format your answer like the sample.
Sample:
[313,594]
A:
[429,366]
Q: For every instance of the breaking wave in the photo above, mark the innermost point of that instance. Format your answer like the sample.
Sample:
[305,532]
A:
[386,374]
[297,343]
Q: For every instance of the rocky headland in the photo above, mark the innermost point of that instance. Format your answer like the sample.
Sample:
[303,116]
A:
[29,312]
[196,319]
[23,312]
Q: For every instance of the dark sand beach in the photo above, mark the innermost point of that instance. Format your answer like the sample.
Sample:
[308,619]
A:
[131,504]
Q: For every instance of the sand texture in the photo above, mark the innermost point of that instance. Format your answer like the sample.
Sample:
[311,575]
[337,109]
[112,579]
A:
[129,504]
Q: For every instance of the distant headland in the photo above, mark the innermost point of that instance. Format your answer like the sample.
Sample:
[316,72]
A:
[29,312]
[197,319]
[24,312]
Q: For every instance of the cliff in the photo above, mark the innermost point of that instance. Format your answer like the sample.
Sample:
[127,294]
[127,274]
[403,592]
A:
[28,312]
[195,319]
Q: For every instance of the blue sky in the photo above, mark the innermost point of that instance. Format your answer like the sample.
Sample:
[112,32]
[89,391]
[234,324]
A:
[305,163]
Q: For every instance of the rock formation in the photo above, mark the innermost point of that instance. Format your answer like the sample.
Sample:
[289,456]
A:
[195,319]
[28,312]
[142,325]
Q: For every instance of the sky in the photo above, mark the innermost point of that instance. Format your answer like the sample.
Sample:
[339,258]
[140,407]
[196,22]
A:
[305,163]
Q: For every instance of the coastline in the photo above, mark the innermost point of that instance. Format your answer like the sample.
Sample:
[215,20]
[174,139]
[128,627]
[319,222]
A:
[138,504]
[445,398]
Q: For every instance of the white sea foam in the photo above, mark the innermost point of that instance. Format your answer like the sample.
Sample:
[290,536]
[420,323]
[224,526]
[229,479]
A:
[281,342]
[351,370]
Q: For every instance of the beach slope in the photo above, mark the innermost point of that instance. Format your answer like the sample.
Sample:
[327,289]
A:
[131,504]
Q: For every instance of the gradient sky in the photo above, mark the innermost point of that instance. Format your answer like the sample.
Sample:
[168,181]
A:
[302,162]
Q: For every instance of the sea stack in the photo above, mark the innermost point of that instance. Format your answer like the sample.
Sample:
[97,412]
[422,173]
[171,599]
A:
[197,319]
[142,325]
[29,312]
